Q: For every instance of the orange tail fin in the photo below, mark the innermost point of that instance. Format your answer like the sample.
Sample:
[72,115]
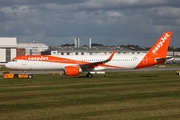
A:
[162,44]
[157,53]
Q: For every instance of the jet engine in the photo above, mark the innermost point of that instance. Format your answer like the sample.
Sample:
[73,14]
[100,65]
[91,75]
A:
[72,70]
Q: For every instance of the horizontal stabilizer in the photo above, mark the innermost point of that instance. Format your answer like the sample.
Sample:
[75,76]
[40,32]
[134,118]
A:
[168,58]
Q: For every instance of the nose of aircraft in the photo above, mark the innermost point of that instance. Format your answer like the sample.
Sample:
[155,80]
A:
[7,65]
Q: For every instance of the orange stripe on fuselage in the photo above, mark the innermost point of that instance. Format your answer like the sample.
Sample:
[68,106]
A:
[48,58]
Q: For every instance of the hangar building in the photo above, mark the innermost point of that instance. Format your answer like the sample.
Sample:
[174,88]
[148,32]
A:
[7,48]
[33,48]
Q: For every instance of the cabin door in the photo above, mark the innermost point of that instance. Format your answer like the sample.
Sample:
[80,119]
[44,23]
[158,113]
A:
[24,61]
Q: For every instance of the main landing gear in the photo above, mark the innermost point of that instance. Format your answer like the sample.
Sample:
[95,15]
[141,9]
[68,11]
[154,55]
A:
[89,75]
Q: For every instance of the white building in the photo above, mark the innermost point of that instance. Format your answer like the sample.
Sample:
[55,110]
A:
[7,48]
[33,48]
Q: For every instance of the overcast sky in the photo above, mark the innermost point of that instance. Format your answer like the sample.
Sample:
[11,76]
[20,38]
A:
[108,22]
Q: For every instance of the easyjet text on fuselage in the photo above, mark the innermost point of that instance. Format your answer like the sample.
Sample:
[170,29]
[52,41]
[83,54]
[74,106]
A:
[38,58]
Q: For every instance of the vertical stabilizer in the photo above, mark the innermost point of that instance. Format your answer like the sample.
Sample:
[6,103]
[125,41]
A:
[160,48]
[157,53]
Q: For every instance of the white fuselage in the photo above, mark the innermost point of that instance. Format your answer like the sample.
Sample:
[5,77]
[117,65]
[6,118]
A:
[119,61]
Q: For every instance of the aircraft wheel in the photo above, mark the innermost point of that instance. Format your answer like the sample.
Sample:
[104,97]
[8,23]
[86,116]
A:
[177,72]
[15,76]
[89,75]
[30,76]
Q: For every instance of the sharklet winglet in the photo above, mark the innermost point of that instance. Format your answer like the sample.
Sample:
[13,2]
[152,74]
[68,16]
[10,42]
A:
[110,58]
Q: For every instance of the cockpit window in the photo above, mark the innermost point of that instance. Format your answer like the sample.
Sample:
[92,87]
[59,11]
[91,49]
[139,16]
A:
[14,60]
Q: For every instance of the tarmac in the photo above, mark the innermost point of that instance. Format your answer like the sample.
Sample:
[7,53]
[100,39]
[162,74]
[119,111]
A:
[159,68]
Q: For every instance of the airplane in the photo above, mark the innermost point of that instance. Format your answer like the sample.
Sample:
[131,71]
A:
[73,65]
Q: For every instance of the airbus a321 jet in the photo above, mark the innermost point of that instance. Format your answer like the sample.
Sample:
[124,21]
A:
[73,65]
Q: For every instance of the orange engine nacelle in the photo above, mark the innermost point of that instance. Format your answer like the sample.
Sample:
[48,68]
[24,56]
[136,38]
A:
[72,70]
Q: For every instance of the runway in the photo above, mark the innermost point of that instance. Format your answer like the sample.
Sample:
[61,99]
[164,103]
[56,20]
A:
[112,70]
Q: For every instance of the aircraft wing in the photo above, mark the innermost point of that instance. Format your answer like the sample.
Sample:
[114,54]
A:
[94,64]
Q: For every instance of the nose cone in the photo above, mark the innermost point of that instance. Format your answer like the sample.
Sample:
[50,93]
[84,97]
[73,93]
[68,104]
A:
[8,65]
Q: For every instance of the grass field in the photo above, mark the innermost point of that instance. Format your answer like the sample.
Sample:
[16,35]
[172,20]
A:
[120,95]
